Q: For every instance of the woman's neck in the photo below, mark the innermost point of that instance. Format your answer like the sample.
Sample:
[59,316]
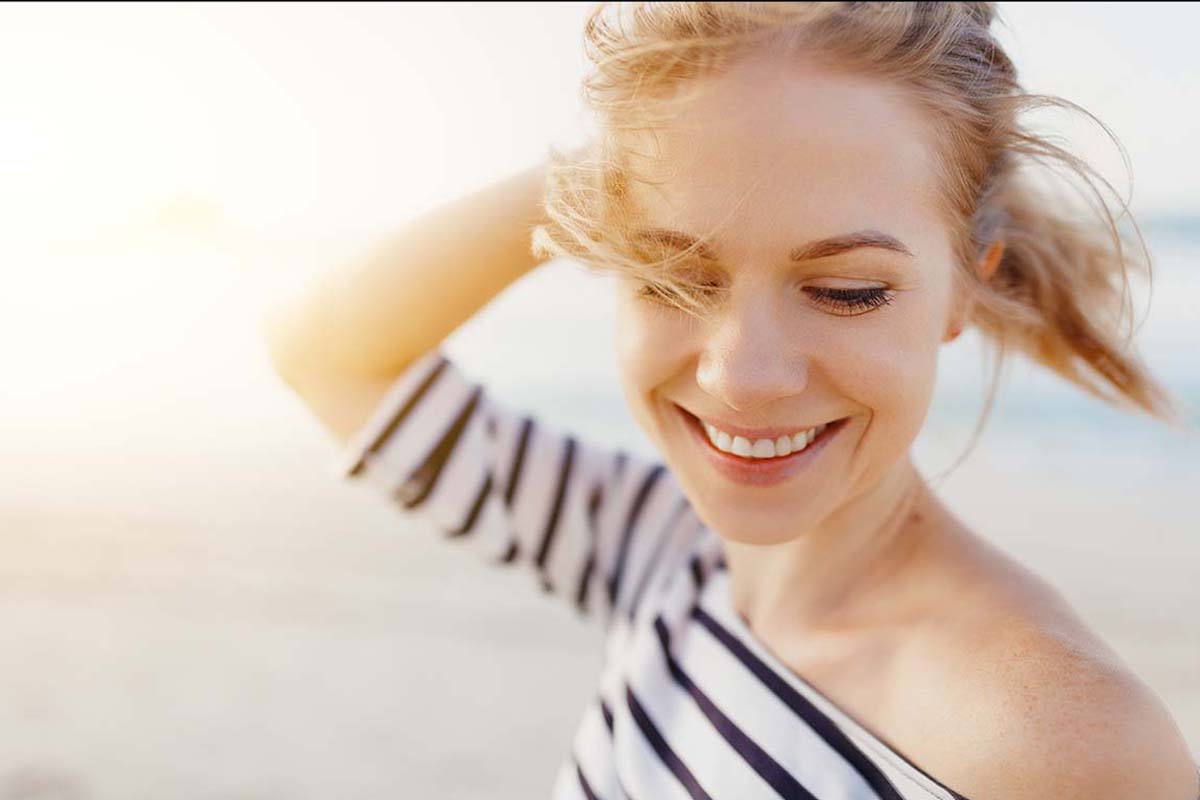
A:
[848,572]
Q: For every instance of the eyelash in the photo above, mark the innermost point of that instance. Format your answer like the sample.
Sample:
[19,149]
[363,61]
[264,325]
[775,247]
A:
[855,299]
[851,300]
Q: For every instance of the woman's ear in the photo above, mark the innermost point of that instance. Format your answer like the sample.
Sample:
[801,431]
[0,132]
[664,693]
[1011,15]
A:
[955,326]
[987,266]
[991,260]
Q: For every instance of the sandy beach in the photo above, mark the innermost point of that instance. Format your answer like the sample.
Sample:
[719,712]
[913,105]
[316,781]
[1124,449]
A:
[242,625]
[194,606]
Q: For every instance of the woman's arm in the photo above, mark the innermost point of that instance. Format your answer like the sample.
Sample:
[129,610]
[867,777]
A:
[361,346]
[342,340]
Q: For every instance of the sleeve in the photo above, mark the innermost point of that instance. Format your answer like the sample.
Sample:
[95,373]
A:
[595,526]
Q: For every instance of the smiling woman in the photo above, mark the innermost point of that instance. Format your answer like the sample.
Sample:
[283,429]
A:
[802,202]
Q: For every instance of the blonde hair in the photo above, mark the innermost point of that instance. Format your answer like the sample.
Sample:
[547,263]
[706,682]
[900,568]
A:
[1061,287]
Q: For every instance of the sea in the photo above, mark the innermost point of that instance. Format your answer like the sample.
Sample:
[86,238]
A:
[195,606]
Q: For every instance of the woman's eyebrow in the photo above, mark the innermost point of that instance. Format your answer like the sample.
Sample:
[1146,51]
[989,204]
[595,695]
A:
[820,248]
[678,240]
[834,245]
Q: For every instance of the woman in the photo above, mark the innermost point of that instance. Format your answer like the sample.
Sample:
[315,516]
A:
[790,610]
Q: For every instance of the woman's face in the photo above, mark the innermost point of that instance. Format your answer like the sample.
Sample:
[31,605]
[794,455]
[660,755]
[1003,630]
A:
[780,158]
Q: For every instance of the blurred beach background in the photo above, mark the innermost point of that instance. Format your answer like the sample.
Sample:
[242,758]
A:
[192,605]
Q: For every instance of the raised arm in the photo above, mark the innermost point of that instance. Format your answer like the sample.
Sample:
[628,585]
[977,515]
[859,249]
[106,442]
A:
[361,348]
[340,341]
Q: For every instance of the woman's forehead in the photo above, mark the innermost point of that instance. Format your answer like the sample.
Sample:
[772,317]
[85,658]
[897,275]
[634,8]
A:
[741,215]
[829,149]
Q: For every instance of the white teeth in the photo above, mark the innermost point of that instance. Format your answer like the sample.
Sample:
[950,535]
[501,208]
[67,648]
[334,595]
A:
[761,448]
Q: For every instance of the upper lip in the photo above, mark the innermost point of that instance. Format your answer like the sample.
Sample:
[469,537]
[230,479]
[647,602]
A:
[772,432]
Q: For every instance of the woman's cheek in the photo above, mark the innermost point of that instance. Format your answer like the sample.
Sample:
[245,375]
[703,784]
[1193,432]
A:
[893,374]
[651,344]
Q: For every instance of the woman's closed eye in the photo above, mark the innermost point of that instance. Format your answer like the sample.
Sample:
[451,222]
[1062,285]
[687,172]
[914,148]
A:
[851,301]
[700,289]
[842,301]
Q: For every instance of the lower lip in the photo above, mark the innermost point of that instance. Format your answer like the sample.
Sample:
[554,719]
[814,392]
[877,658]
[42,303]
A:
[760,471]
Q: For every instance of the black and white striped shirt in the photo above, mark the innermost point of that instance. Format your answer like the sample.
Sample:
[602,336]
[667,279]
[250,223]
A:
[690,703]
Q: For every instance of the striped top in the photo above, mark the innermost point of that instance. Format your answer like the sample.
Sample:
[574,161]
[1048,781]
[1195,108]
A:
[690,704]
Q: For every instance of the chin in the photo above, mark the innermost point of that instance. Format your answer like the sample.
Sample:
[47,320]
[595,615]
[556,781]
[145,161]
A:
[749,521]
[756,535]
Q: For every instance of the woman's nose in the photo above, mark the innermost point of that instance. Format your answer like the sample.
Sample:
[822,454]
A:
[748,362]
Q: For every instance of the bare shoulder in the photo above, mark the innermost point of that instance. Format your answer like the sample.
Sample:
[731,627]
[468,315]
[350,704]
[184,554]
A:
[1059,722]
[1037,706]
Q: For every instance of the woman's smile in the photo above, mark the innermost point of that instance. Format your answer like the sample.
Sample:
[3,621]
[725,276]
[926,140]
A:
[761,470]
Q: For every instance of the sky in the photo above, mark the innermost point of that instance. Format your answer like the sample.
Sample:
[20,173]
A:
[166,170]
[338,118]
